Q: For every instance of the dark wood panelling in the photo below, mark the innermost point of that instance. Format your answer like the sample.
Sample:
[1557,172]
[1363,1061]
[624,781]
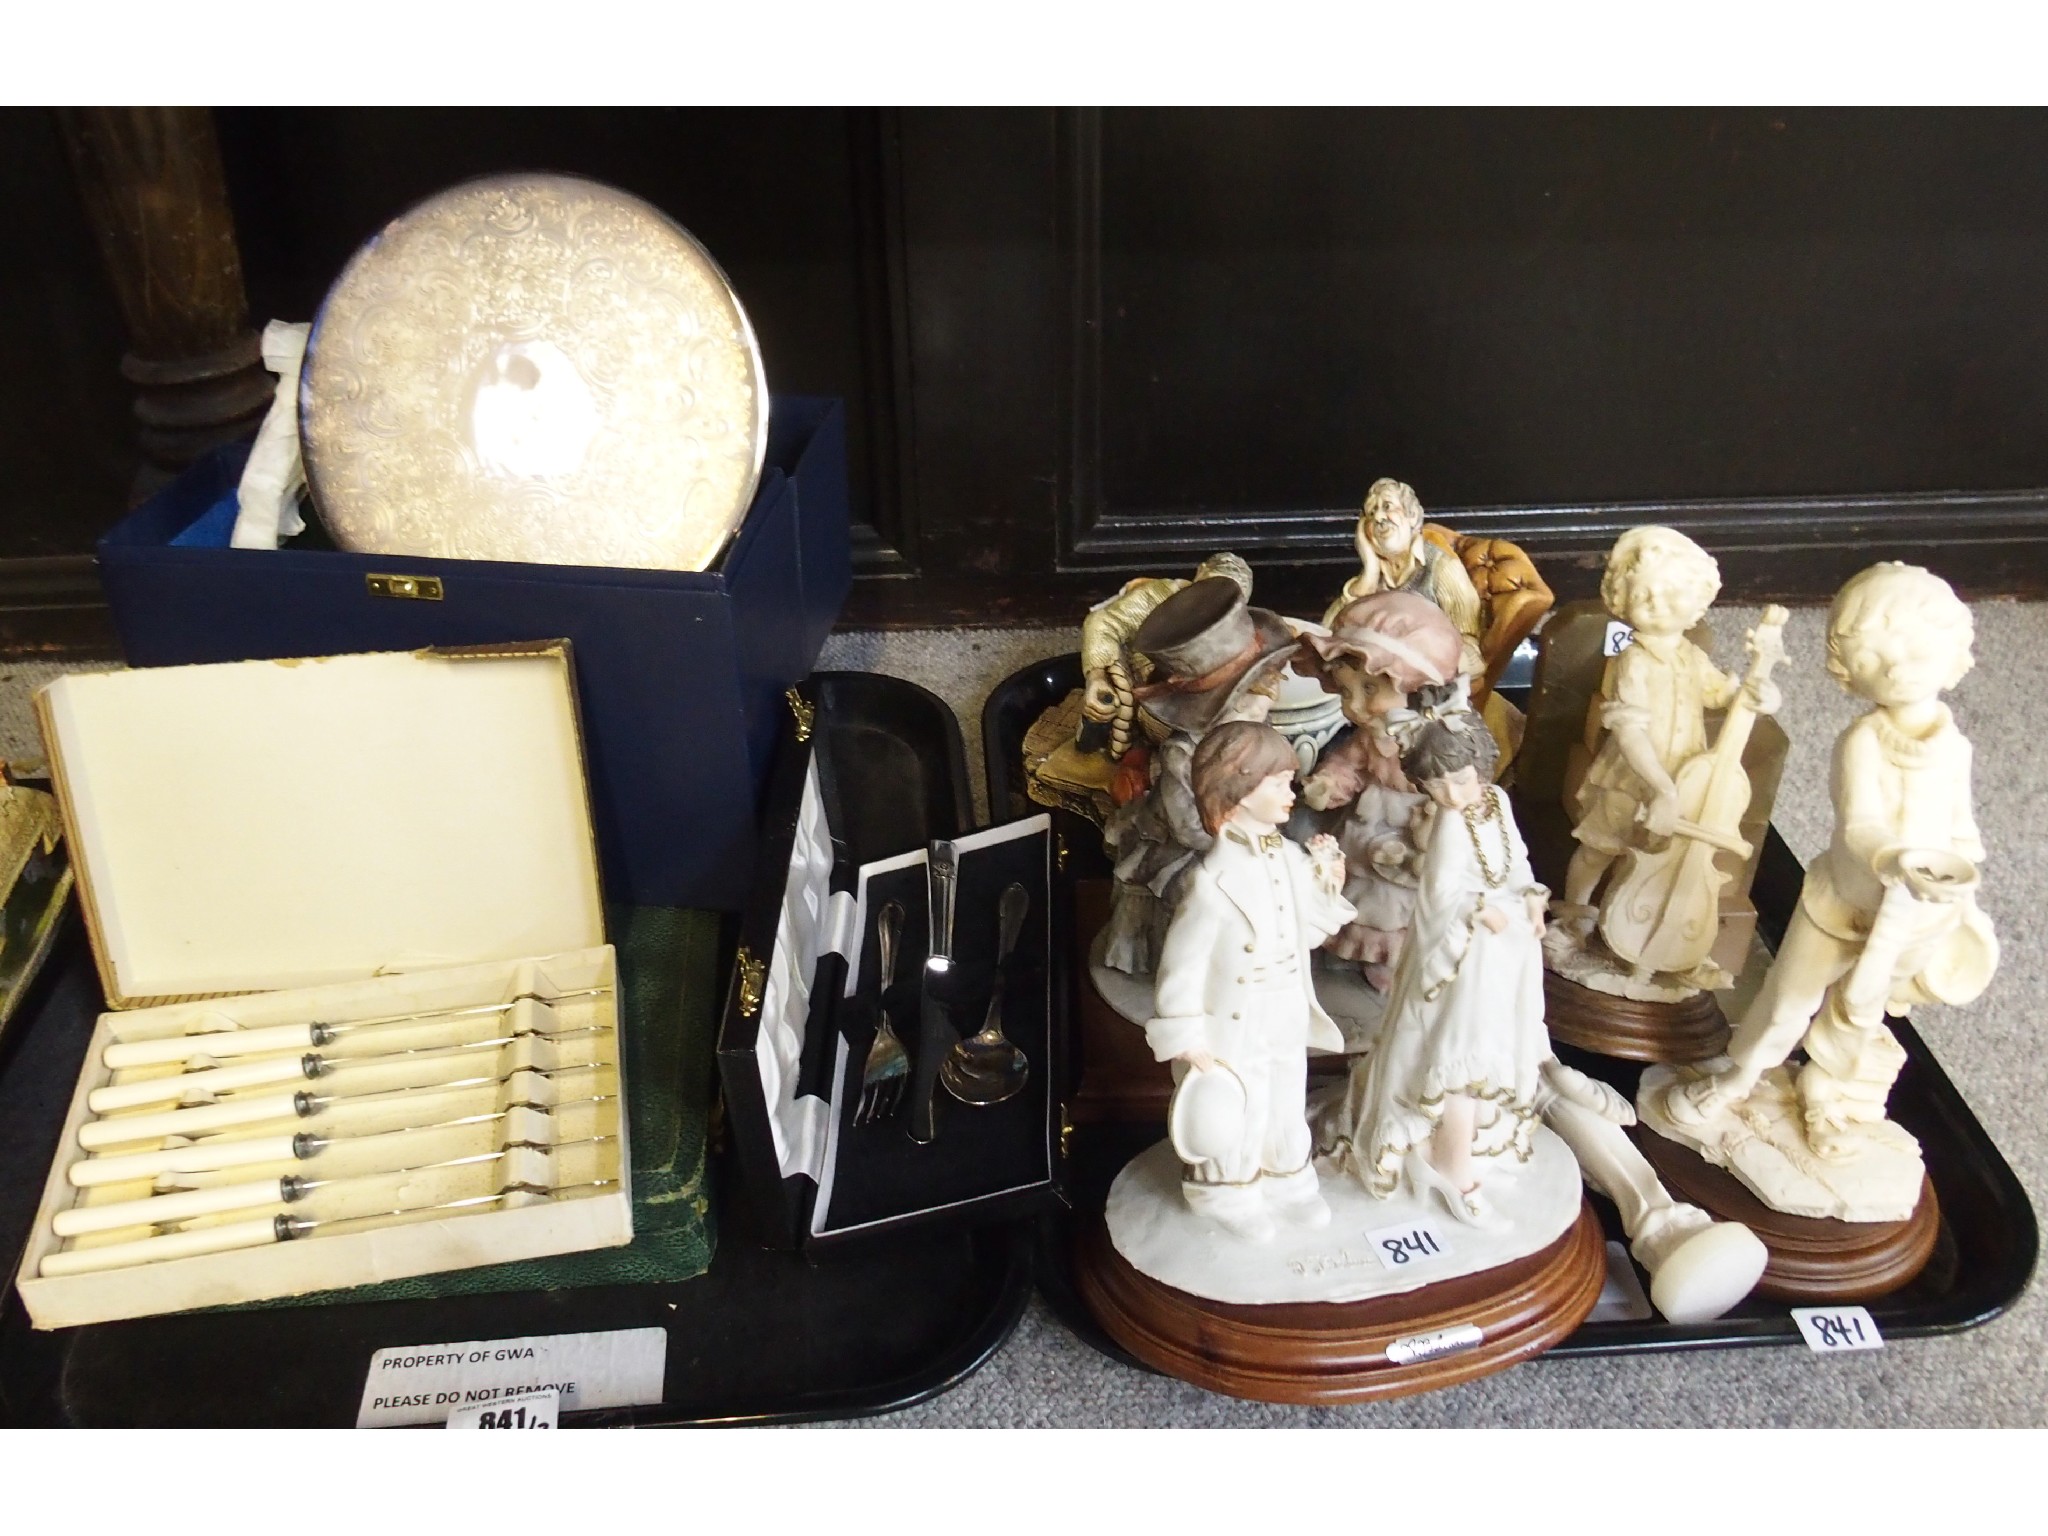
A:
[66,438]
[1548,308]
[885,543]
[51,605]
[1077,344]
[1806,337]
[986,335]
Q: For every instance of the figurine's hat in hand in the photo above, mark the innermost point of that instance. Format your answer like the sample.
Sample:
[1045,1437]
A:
[1210,647]
[1206,1119]
[1402,636]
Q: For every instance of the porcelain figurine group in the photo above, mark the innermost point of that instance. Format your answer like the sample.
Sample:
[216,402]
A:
[1399,865]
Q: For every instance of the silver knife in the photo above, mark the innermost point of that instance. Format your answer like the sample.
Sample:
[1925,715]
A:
[936,1034]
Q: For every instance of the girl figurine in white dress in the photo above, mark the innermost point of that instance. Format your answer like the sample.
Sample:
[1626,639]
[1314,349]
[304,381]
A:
[1456,1076]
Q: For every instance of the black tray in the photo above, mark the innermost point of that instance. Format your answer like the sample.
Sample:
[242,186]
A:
[762,1337]
[1983,1257]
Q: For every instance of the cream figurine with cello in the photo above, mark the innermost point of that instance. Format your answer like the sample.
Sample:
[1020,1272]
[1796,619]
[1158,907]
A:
[1658,811]
[1887,917]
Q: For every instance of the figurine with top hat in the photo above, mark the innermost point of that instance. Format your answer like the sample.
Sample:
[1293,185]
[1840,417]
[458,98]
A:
[1216,659]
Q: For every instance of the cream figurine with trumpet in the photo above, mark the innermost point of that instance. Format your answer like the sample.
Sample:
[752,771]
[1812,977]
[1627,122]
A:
[1887,917]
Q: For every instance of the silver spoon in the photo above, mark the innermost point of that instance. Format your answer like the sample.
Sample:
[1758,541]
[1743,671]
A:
[986,1068]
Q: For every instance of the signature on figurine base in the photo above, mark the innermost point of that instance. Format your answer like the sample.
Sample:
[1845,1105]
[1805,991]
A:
[1441,1341]
[1327,1263]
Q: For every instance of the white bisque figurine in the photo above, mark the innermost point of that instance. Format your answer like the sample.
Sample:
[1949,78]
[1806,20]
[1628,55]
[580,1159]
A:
[1454,1079]
[1393,660]
[1235,1010]
[1887,917]
[1450,1099]
[1657,803]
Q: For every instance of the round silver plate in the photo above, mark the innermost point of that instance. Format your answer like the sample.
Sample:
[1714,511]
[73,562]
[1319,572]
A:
[536,368]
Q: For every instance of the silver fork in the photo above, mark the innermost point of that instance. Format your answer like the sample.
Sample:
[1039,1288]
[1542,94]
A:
[887,1072]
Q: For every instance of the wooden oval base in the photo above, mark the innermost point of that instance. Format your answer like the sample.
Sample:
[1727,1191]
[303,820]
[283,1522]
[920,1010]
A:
[1336,1352]
[1691,1030]
[1813,1258]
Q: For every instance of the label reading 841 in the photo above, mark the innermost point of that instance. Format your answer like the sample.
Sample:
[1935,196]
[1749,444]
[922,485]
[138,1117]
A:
[532,1410]
[1837,1330]
[1403,1248]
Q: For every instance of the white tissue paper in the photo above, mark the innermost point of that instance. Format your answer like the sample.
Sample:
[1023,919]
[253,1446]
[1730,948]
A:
[269,495]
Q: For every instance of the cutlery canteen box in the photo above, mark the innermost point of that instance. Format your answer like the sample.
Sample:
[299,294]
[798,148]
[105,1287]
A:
[332,842]
[680,674]
[868,773]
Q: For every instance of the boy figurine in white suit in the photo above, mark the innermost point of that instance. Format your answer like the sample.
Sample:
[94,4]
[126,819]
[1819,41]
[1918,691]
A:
[1234,993]
[1887,916]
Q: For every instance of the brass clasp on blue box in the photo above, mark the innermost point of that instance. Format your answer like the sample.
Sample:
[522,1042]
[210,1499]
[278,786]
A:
[426,588]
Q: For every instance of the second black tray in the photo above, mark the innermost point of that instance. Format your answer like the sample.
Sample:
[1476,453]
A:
[1989,1238]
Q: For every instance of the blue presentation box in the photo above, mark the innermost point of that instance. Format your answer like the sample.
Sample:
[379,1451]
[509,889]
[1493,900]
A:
[680,674]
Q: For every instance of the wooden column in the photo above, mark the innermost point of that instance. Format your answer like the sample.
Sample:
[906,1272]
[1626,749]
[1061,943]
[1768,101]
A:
[157,200]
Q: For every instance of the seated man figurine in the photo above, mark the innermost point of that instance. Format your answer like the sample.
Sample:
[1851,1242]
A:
[1486,587]
[1394,557]
[1234,992]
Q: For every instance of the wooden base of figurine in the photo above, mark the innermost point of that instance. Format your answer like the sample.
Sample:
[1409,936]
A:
[1813,1258]
[1693,1029]
[1338,1352]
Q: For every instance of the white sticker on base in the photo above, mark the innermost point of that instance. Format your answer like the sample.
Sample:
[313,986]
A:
[1621,1298]
[1837,1330]
[425,1383]
[530,1410]
[1617,639]
[1404,1248]
[1427,1346]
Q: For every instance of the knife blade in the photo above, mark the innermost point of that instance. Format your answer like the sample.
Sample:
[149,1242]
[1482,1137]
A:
[936,1034]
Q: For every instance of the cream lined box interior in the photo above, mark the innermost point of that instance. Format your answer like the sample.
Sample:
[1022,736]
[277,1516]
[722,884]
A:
[362,894]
